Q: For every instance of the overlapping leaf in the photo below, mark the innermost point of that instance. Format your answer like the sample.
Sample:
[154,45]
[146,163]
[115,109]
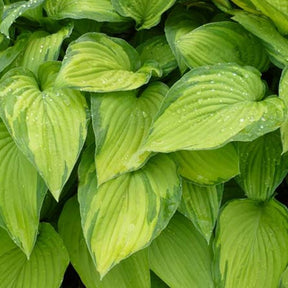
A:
[262,167]
[181,257]
[121,121]
[96,62]
[180,22]
[276,45]
[124,214]
[15,10]
[251,243]
[98,10]
[146,13]
[201,205]
[210,106]
[157,49]
[44,269]
[21,193]
[131,273]
[222,42]
[48,125]
[276,10]
[208,167]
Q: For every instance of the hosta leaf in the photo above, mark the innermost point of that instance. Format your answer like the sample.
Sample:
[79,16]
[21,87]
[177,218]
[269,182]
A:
[210,105]
[44,269]
[208,167]
[283,94]
[121,121]
[245,4]
[7,56]
[201,205]
[98,10]
[157,49]
[15,10]
[276,45]
[276,10]
[146,13]
[284,279]
[251,243]
[180,22]
[133,272]
[124,214]
[98,63]
[222,42]
[43,47]
[21,193]
[262,167]
[48,125]
[181,257]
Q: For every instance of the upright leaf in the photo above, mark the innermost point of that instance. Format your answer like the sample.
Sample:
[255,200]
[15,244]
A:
[180,22]
[98,10]
[124,214]
[21,193]
[133,272]
[262,167]
[201,205]
[43,47]
[157,49]
[121,121]
[98,63]
[146,13]
[210,106]
[208,167]
[251,243]
[48,125]
[283,94]
[181,257]
[276,45]
[222,42]
[45,268]
[15,10]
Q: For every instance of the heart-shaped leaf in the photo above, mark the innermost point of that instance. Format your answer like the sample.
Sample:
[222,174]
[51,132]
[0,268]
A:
[48,125]
[222,42]
[100,10]
[251,233]
[46,266]
[262,167]
[181,257]
[201,205]
[21,193]
[210,106]
[146,13]
[124,214]
[132,272]
[96,62]
[208,167]
[121,122]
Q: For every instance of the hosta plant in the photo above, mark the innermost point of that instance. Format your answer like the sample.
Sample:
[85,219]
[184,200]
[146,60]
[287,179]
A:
[143,143]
